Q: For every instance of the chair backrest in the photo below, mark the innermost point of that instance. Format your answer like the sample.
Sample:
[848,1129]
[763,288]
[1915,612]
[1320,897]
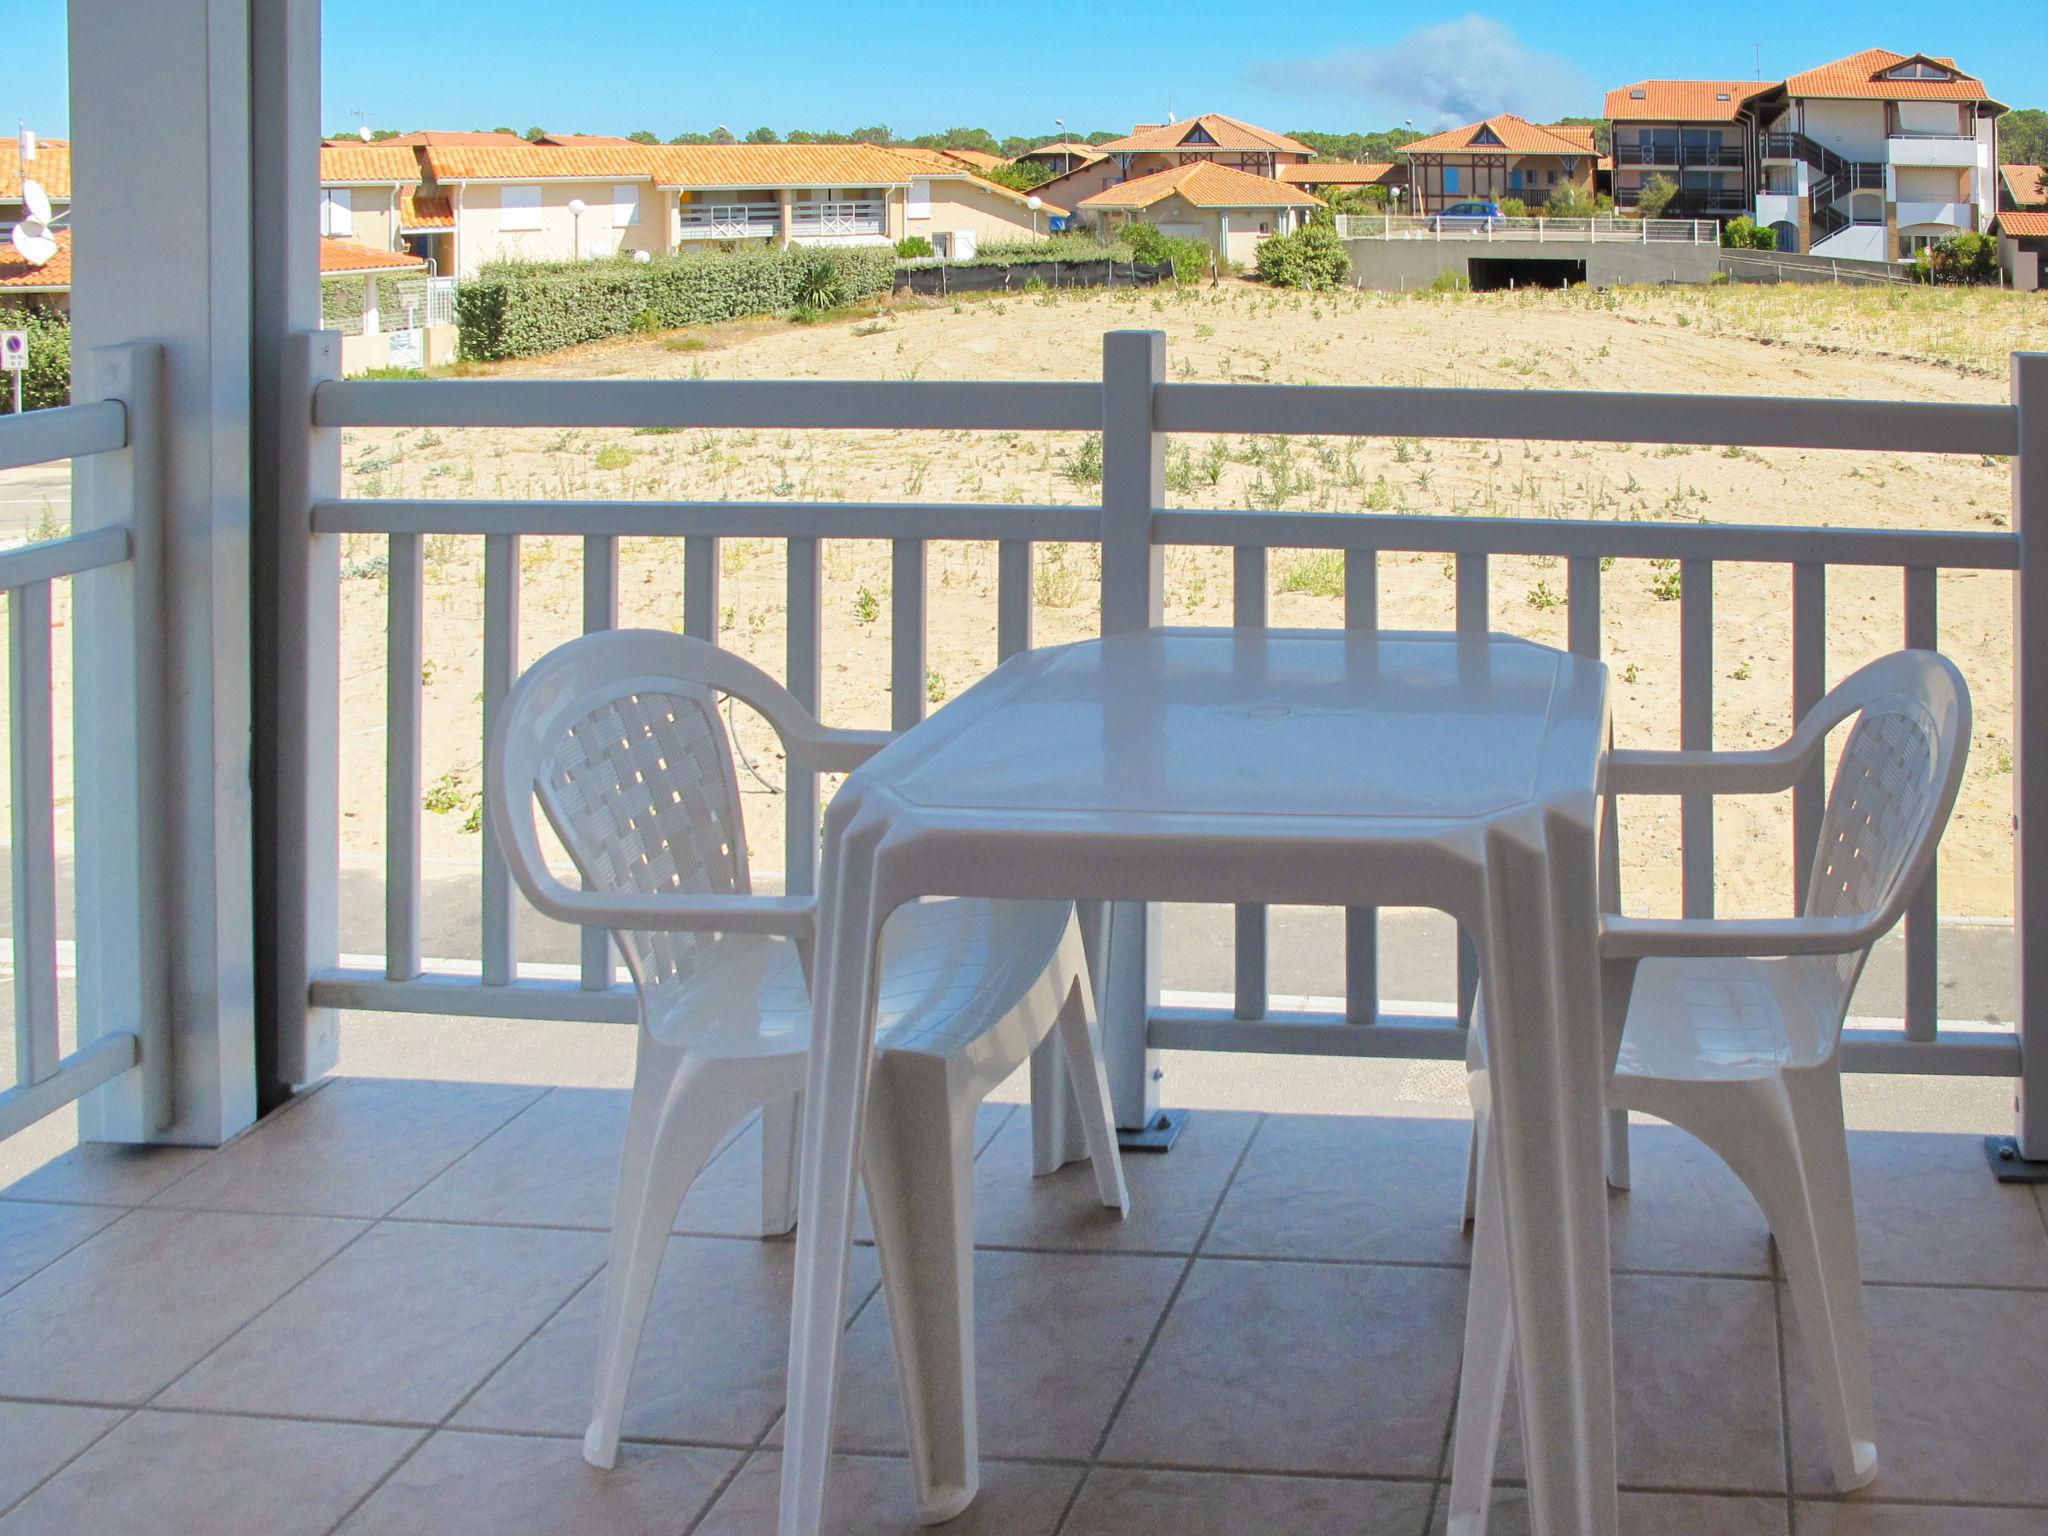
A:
[633,767]
[1895,785]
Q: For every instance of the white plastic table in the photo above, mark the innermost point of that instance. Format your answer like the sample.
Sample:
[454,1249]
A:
[1318,768]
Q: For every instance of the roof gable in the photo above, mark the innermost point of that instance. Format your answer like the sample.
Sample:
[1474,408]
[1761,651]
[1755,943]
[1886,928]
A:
[1204,184]
[1869,76]
[1505,131]
[1219,132]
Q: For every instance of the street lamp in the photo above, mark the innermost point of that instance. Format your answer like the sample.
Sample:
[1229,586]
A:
[1034,202]
[576,207]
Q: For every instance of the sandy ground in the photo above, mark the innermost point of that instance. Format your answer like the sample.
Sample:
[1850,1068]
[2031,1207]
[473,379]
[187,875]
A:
[1783,341]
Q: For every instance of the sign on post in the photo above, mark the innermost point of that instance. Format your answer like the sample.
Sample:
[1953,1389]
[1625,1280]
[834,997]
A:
[408,348]
[14,360]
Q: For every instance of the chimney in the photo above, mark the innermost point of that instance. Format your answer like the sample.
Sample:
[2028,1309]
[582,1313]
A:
[28,146]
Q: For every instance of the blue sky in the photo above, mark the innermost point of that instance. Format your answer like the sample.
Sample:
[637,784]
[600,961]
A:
[611,66]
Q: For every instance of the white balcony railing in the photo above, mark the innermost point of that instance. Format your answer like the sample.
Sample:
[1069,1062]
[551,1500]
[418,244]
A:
[1917,149]
[1955,215]
[731,221]
[860,216]
[1440,226]
[1133,408]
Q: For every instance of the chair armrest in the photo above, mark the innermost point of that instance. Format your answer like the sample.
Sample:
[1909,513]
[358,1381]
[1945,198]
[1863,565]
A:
[1709,773]
[794,917]
[1644,938]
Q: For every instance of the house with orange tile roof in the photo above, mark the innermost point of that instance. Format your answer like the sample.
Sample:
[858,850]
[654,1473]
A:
[1503,156]
[1061,156]
[1327,176]
[1229,210]
[28,285]
[536,202]
[2023,248]
[46,162]
[1699,135]
[1149,147]
[2023,186]
[363,188]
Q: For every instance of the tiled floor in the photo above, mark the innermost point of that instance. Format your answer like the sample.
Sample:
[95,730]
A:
[375,1314]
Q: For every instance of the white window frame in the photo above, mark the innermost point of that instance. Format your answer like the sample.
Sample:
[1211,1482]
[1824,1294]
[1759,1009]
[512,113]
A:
[625,206]
[519,209]
[338,212]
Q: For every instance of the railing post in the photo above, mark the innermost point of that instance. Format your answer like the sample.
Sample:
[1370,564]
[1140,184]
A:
[1126,955]
[2030,750]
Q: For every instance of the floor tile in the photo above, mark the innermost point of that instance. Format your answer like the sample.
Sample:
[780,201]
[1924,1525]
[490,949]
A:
[1927,1212]
[1056,1338]
[1946,1366]
[1857,1519]
[554,1164]
[399,1328]
[518,1485]
[356,1148]
[1172,1197]
[1349,1187]
[1647,1514]
[1133,1502]
[33,1234]
[1343,1368]
[177,1474]
[871,1496]
[122,1314]
[1685,1211]
[712,1358]
[108,1175]
[38,1438]
[1696,1386]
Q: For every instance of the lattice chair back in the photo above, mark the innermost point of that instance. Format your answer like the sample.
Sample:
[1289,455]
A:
[1895,784]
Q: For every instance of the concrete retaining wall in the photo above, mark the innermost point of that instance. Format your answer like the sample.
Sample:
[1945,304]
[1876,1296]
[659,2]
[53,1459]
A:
[1401,265]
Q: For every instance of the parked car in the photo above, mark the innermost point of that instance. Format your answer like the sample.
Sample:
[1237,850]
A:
[1469,216]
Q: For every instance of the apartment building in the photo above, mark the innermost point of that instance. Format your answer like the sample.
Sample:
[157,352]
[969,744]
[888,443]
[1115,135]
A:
[1698,135]
[1228,209]
[1504,156]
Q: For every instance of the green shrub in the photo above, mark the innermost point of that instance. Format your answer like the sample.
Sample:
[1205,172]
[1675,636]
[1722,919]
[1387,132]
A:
[1570,201]
[1655,198]
[1513,208]
[1312,257]
[1961,258]
[1448,281]
[48,379]
[516,309]
[912,246]
[1745,234]
[1190,258]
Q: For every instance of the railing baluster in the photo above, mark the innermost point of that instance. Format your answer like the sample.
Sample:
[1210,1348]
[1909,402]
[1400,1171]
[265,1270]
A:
[1809,683]
[31,742]
[501,666]
[1248,611]
[804,664]
[1013,598]
[600,612]
[700,587]
[1583,637]
[1696,729]
[907,666]
[405,621]
[1923,997]
[1361,924]
[1473,618]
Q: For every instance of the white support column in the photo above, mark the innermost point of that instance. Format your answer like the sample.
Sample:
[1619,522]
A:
[163,255]
[2030,749]
[1126,956]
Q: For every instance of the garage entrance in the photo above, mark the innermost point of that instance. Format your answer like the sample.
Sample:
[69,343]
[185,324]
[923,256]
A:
[1492,273]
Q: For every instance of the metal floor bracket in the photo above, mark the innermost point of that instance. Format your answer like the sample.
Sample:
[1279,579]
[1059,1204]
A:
[2008,1167]
[1158,1135]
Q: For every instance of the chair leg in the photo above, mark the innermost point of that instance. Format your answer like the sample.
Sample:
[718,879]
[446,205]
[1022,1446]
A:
[1057,1135]
[1617,1149]
[1089,1076]
[782,1125]
[918,1158]
[1475,1160]
[1489,1350]
[672,1129]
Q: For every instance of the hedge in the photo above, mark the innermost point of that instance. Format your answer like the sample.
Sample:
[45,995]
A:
[48,380]
[1064,249]
[341,300]
[523,309]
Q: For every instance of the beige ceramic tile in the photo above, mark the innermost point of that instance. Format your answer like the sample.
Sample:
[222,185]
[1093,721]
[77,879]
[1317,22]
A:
[1684,1211]
[1172,1196]
[1349,1187]
[1056,1338]
[1133,1502]
[107,1175]
[518,1485]
[1648,1514]
[1344,1368]
[1928,1212]
[712,1358]
[187,1474]
[124,1313]
[33,1234]
[38,1438]
[1856,1519]
[555,1164]
[871,1496]
[356,1148]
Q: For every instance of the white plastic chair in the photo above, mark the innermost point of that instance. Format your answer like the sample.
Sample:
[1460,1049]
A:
[1731,1029]
[618,736]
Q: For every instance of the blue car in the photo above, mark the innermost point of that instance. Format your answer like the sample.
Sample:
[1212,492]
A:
[1473,216]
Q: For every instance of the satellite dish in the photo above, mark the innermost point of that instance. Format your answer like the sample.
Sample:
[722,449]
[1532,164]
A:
[36,201]
[32,239]
[363,132]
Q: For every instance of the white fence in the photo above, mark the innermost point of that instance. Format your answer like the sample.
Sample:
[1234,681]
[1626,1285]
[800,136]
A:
[730,221]
[862,216]
[119,1034]
[1443,226]
[1135,410]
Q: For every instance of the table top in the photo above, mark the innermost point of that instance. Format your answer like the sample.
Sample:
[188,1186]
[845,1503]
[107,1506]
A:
[1193,728]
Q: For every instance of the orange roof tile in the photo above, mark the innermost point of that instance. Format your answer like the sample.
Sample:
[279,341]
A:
[1227,132]
[356,163]
[447,139]
[51,168]
[1861,75]
[1585,135]
[1346,173]
[21,276]
[343,256]
[585,140]
[2026,185]
[979,158]
[1517,136]
[1206,185]
[787,165]
[1072,148]
[1680,101]
[2024,226]
[535,162]
[938,165]
[416,212]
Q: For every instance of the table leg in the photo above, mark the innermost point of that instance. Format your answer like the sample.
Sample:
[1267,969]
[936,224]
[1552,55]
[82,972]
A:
[836,1089]
[1539,944]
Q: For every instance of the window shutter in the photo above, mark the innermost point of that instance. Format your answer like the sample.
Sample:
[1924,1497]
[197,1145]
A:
[519,208]
[920,203]
[338,213]
[625,206]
